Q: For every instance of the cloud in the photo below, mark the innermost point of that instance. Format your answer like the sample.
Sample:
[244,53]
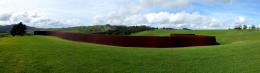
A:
[218,1]
[52,23]
[183,20]
[165,3]
[35,20]
[240,20]
[176,3]
[157,13]
[165,19]
[135,15]
[5,16]
[177,18]
[22,17]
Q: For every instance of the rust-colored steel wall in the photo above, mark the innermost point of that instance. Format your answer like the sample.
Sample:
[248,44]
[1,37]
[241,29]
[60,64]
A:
[175,40]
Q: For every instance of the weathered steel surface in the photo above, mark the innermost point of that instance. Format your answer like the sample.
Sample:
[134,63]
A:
[175,40]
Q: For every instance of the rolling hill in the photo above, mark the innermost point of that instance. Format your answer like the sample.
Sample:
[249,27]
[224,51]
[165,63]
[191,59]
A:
[238,53]
[105,29]
[7,28]
[95,29]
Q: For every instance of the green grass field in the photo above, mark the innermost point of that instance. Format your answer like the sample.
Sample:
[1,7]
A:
[4,35]
[239,52]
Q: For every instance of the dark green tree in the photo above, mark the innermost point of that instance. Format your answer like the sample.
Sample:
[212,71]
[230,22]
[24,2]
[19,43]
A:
[245,27]
[253,27]
[18,29]
[238,27]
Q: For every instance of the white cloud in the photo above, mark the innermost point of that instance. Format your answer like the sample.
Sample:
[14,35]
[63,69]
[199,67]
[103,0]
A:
[176,3]
[218,1]
[240,20]
[46,22]
[136,19]
[133,15]
[165,3]
[165,19]
[5,16]
[119,12]
[35,20]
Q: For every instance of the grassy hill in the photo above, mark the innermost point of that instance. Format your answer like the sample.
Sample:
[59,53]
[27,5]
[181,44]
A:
[239,53]
[83,29]
[223,36]
[104,29]
[95,29]
[4,35]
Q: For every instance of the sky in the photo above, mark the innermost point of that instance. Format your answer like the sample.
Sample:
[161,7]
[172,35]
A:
[193,14]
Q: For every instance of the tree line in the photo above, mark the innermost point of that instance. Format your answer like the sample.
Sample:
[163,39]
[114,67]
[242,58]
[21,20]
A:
[246,27]
[20,29]
[125,30]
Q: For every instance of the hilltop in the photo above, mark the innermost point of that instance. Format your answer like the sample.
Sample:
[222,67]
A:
[96,29]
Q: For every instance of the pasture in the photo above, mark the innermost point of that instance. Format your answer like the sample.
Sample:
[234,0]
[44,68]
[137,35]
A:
[239,52]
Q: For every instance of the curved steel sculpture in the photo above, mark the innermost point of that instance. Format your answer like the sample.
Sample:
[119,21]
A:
[175,40]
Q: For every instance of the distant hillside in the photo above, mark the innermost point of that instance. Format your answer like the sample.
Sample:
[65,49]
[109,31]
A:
[84,29]
[96,29]
[7,28]
[105,29]
[125,30]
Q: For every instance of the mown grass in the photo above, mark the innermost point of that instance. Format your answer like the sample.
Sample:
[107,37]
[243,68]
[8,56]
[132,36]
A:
[239,53]
[223,36]
[4,35]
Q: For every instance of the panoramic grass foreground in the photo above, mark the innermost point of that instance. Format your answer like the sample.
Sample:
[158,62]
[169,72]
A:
[129,36]
[238,53]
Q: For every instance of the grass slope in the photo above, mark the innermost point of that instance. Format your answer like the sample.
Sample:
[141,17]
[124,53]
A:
[42,54]
[4,35]
[223,36]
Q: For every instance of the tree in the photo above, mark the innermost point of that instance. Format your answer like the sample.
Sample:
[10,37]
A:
[253,27]
[186,29]
[245,27]
[18,29]
[238,27]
